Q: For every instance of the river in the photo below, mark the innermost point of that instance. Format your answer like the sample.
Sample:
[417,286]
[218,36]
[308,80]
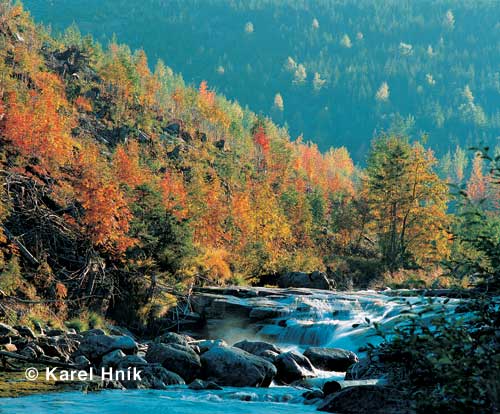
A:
[300,319]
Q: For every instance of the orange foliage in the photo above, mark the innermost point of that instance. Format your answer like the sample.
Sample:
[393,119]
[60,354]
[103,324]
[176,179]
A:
[207,96]
[126,164]
[261,139]
[40,125]
[107,215]
[83,104]
[175,195]
[478,183]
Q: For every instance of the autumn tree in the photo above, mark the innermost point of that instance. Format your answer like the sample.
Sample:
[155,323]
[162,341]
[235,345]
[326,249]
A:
[408,202]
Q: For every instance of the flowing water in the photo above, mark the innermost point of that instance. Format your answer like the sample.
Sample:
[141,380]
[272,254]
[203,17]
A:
[299,320]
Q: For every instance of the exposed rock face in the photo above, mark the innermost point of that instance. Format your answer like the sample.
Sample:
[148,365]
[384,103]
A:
[95,346]
[177,358]
[293,367]
[314,280]
[230,366]
[331,359]
[261,349]
[369,399]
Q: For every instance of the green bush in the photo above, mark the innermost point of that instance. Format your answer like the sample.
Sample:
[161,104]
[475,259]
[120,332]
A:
[445,364]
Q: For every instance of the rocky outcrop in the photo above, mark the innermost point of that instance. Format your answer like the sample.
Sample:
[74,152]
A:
[369,399]
[293,366]
[331,359]
[314,280]
[176,358]
[230,366]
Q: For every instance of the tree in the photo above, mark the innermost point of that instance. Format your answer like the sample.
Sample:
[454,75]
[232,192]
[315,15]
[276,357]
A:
[278,102]
[383,92]
[408,201]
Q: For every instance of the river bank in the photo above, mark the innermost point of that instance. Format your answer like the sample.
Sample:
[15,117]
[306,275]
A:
[295,339]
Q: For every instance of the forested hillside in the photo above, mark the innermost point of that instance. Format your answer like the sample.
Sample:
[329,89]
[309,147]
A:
[337,71]
[120,184]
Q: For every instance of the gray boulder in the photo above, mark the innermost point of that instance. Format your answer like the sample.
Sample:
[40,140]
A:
[331,359]
[113,358]
[177,358]
[208,344]
[259,348]
[173,338]
[199,385]
[293,367]
[131,361]
[314,280]
[154,377]
[373,399]
[230,366]
[95,347]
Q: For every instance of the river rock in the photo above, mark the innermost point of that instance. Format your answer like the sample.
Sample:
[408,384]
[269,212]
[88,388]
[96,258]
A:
[293,367]
[173,338]
[113,358]
[82,361]
[331,387]
[369,399]
[314,280]
[131,361]
[208,344]
[177,358]
[331,359]
[199,385]
[261,349]
[95,346]
[230,366]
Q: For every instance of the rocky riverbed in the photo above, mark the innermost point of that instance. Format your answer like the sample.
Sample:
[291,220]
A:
[250,338]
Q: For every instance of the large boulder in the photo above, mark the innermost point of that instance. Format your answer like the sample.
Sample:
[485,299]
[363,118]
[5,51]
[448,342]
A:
[174,338]
[314,280]
[155,377]
[207,344]
[293,367]
[113,358]
[95,346]
[230,366]
[331,359]
[177,358]
[369,399]
[261,349]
